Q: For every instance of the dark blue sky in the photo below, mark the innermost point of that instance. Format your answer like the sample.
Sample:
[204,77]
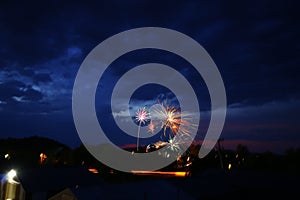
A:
[255,45]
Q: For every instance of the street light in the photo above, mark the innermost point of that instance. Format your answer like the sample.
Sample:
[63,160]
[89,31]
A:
[11,175]
[12,188]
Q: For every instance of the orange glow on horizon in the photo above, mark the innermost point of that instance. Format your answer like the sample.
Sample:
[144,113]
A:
[178,174]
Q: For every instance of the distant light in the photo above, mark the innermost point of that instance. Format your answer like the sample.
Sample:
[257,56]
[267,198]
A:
[181,174]
[11,175]
[190,163]
[229,166]
[43,158]
[6,156]
[156,173]
[93,170]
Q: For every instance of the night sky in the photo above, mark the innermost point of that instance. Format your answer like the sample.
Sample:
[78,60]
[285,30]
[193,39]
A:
[255,45]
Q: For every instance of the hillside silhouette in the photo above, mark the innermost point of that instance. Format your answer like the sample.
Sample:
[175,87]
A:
[25,152]
[44,152]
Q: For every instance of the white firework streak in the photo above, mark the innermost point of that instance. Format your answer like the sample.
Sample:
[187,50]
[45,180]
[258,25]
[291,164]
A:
[174,146]
[142,116]
[179,141]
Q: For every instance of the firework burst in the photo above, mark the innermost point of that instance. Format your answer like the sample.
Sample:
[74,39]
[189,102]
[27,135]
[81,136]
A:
[178,142]
[141,116]
[174,147]
[170,118]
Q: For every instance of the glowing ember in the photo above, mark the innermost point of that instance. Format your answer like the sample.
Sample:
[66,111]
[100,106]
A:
[93,170]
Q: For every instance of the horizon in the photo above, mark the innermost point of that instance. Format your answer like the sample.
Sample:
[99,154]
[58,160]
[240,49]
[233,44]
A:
[227,145]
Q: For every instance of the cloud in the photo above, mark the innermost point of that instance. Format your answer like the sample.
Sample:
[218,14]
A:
[273,121]
[42,77]
[17,91]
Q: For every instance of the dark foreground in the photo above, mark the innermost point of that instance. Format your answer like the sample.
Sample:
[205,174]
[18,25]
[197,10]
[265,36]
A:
[46,183]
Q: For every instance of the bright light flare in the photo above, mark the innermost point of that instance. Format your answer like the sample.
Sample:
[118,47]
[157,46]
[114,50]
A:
[11,175]
[43,158]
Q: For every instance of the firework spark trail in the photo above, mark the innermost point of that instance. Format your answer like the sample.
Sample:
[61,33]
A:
[142,116]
